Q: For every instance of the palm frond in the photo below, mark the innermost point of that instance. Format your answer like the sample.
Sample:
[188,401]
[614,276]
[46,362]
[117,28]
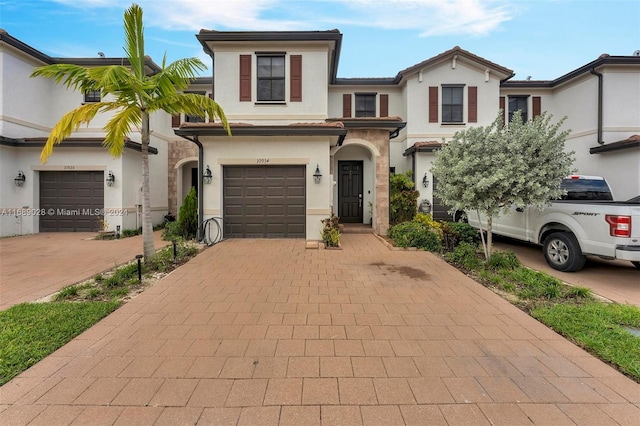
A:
[70,75]
[119,127]
[193,104]
[182,71]
[134,39]
[70,122]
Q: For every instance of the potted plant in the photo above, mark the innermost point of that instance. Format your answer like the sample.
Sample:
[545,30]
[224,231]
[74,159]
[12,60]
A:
[331,231]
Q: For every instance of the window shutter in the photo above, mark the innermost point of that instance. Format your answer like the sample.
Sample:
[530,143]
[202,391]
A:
[346,105]
[296,78]
[472,114]
[245,78]
[175,120]
[433,104]
[504,111]
[537,107]
[384,105]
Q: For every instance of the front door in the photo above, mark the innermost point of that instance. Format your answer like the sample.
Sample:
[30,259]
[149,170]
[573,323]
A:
[350,191]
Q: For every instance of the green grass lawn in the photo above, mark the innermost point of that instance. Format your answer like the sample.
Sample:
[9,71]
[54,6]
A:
[598,327]
[31,331]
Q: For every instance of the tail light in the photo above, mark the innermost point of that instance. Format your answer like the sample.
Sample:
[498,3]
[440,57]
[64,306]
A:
[619,226]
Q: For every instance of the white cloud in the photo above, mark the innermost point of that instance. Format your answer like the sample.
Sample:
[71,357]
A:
[428,17]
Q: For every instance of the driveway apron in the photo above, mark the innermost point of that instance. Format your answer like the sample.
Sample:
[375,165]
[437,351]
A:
[266,332]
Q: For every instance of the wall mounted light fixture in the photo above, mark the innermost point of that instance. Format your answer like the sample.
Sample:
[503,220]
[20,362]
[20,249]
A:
[19,180]
[317,176]
[111,178]
[425,181]
[207,176]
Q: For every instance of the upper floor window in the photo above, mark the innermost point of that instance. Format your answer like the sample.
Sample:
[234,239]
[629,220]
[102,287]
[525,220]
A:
[365,105]
[452,103]
[92,96]
[518,103]
[271,81]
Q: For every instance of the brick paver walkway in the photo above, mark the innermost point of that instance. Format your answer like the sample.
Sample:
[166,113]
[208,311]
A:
[264,332]
[37,265]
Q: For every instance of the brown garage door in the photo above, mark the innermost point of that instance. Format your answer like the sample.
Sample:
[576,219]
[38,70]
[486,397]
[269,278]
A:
[264,201]
[70,201]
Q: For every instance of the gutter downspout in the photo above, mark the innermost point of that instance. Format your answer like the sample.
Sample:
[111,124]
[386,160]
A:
[600,89]
[200,233]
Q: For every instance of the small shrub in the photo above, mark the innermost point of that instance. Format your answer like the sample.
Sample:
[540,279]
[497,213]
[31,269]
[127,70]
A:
[188,215]
[465,255]
[331,231]
[131,232]
[427,220]
[403,198]
[172,232]
[579,292]
[453,233]
[98,278]
[503,260]
[66,293]
[414,234]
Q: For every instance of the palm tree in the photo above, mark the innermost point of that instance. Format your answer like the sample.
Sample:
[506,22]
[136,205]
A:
[132,96]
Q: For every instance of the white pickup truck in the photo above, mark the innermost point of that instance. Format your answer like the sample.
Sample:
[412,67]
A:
[585,222]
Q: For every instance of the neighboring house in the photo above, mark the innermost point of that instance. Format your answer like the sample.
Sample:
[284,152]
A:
[304,142]
[72,190]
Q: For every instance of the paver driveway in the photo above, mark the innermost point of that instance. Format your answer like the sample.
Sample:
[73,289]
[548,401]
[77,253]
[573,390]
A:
[264,332]
[35,266]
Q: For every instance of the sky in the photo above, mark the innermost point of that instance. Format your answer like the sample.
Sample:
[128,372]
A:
[544,39]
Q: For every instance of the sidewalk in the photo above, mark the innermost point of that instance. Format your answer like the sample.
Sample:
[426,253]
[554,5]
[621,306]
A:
[264,332]
[35,266]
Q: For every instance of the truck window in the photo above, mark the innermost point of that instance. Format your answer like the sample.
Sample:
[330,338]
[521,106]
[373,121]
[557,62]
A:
[586,189]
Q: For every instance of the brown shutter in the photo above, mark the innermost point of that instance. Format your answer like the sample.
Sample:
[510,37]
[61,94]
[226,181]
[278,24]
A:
[296,78]
[245,78]
[504,112]
[537,107]
[433,104]
[346,105]
[384,105]
[473,104]
[175,120]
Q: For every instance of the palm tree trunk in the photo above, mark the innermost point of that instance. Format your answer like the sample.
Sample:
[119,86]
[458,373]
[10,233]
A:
[147,226]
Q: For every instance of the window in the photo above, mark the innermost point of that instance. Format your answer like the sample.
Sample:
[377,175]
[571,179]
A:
[365,104]
[91,96]
[271,78]
[518,103]
[452,103]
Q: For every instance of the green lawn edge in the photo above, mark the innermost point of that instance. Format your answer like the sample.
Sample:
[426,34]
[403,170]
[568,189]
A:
[30,332]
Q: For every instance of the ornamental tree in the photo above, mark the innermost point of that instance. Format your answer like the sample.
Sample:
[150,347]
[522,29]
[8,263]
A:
[490,169]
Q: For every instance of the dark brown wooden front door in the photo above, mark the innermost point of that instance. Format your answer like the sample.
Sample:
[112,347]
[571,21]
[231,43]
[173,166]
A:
[350,191]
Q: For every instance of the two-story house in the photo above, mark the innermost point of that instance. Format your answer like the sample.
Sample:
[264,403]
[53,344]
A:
[306,142]
[81,184]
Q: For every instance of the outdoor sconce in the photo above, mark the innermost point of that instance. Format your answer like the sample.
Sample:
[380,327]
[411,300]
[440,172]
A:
[425,181]
[19,180]
[207,176]
[111,179]
[317,176]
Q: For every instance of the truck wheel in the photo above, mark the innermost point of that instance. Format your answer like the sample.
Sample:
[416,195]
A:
[562,252]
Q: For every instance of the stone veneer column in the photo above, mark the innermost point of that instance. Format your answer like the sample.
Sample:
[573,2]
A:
[379,138]
[178,150]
